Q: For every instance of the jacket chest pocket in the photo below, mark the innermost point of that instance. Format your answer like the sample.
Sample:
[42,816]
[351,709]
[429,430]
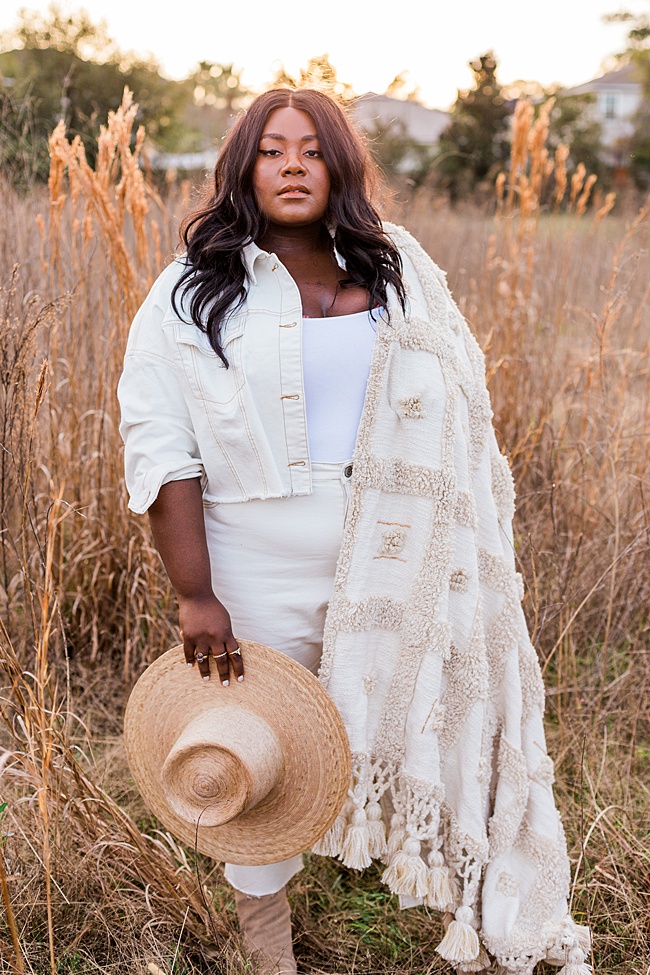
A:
[207,376]
[415,385]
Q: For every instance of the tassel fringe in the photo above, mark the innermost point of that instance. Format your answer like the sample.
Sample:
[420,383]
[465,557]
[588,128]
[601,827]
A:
[355,848]
[376,830]
[407,873]
[567,938]
[583,938]
[329,845]
[576,964]
[482,963]
[442,890]
[357,836]
[460,944]
[396,837]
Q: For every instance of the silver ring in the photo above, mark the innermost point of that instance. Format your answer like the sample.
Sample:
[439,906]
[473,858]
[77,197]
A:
[201,658]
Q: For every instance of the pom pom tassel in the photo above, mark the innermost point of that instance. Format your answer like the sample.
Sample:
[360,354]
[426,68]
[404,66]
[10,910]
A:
[481,964]
[376,830]
[407,873]
[576,965]
[355,848]
[460,943]
[567,937]
[329,845]
[396,837]
[442,890]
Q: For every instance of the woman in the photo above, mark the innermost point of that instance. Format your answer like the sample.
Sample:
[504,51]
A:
[306,421]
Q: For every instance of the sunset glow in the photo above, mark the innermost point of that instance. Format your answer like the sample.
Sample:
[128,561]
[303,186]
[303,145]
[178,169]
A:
[561,42]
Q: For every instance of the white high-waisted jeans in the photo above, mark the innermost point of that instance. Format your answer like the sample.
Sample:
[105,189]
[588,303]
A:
[273,565]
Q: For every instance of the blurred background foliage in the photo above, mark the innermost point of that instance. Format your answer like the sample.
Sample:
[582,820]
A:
[64,67]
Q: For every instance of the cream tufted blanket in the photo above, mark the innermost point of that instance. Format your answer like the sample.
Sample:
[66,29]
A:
[427,654]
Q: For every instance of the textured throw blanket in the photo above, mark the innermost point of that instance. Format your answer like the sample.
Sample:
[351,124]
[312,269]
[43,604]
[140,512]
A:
[428,658]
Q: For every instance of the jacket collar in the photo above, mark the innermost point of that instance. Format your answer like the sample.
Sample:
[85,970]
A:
[251,254]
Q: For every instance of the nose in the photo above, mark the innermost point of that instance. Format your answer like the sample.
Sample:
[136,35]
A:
[293,164]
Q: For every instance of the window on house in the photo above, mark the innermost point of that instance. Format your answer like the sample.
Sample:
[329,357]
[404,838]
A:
[610,106]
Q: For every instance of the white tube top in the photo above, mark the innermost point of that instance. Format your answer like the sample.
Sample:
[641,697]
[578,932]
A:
[336,354]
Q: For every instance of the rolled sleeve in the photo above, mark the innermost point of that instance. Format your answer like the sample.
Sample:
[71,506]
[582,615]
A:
[159,439]
[160,443]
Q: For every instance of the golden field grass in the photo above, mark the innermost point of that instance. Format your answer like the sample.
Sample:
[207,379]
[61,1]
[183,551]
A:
[557,292]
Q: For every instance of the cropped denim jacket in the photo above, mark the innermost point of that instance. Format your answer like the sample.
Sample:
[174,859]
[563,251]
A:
[242,429]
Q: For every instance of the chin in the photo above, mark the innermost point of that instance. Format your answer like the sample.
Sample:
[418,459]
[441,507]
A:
[295,219]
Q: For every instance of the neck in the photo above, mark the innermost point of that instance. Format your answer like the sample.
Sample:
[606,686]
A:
[282,239]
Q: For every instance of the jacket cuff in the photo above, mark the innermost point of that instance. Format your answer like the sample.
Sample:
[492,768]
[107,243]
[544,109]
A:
[144,491]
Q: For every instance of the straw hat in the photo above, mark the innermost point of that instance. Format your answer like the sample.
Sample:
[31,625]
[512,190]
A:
[263,766]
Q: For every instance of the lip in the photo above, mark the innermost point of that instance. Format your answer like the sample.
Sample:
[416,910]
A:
[294,191]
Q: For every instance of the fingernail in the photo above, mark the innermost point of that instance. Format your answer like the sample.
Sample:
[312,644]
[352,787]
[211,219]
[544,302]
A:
[225,683]
[240,679]
[207,677]
[189,663]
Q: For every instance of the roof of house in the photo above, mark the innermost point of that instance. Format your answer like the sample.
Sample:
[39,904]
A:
[627,75]
[417,122]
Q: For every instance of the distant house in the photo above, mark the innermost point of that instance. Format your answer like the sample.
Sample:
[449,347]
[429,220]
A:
[397,117]
[385,119]
[203,161]
[381,117]
[618,95]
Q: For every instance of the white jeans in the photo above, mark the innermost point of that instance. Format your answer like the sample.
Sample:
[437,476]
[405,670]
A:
[273,565]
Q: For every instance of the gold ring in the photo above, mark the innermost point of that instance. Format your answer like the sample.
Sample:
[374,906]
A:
[235,653]
[218,655]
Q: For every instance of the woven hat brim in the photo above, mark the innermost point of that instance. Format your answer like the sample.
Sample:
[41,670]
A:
[315,779]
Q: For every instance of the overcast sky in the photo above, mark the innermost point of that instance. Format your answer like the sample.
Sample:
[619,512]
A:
[549,41]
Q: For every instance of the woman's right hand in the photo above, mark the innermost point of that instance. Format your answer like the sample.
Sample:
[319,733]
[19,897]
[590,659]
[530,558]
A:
[179,533]
[207,631]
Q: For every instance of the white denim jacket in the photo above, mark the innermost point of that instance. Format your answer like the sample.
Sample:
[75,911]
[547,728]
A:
[242,429]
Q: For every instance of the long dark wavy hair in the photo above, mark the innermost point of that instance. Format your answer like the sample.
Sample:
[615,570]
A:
[229,218]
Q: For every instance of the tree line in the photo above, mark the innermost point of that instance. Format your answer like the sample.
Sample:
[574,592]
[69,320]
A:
[60,66]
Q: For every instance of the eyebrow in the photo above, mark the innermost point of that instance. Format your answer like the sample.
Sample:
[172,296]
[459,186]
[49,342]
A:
[283,138]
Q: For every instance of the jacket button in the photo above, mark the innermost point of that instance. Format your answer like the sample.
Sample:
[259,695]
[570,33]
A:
[347,470]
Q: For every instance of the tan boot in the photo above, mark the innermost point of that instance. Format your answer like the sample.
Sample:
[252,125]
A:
[265,926]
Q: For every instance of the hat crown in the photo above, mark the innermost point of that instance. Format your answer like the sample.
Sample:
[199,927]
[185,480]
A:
[223,763]
[304,762]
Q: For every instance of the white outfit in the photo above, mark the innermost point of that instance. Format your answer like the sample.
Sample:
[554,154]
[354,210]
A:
[426,652]
[257,434]
[243,429]
[273,565]
[300,536]
[336,354]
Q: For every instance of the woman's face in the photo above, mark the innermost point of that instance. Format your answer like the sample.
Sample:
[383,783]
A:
[290,179]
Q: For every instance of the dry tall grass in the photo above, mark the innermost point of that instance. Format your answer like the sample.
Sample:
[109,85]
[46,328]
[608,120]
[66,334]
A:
[557,293]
